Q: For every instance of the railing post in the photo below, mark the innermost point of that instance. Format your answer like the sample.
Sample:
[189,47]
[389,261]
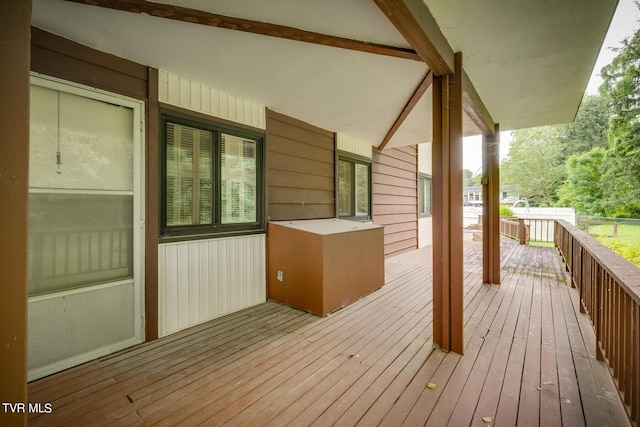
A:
[635,405]
[522,232]
[597,295]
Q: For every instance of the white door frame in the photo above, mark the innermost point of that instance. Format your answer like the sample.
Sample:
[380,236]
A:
[138,109]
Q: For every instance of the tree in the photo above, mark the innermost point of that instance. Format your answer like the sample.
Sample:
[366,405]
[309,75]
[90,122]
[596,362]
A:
[471,180]
[589,129]
[467,178]
[582,189]
[621,169]
[535,165]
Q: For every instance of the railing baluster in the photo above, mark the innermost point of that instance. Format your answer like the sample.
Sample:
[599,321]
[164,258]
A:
[628,350]
[609,289]
[616,338]
[635,377]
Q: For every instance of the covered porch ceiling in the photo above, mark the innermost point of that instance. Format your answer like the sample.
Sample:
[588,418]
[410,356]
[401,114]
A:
[529,60]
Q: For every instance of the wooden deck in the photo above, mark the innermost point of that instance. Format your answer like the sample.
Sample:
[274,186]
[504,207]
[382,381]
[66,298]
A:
[529,360]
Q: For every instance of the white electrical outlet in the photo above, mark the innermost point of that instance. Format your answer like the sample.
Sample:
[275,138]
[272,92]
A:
[280,276]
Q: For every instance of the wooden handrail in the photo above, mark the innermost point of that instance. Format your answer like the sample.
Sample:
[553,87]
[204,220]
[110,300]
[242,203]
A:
[526,230]
[609,288]
[515,229]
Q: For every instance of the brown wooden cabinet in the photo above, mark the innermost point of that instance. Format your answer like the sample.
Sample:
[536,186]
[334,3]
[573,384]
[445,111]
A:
[322,265]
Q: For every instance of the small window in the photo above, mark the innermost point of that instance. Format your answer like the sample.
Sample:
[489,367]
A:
[212,178]
[354,188]
[424,195]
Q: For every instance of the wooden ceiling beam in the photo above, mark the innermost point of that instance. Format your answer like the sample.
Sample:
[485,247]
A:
[238,24]
[416,24]
[413,101]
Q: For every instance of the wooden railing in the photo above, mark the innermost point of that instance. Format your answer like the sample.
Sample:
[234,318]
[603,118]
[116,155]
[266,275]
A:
[515,229]
[526,230]
[609,288]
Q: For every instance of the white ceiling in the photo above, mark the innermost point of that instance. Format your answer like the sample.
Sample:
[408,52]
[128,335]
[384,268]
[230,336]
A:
[529,59]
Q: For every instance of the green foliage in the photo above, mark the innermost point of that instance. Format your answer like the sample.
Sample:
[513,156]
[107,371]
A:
[582,188]
[471,180]
[467,178]
[535,165]
[626,244]
[505,211]
[621,169]
[538,163]
[592,164]
[590,128]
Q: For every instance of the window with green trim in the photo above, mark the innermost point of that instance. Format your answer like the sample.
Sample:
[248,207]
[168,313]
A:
[212,178]
[424,195]
[354,188]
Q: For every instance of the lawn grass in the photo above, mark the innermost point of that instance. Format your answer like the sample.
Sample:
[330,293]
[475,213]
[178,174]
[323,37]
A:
[543,244]
[627,243]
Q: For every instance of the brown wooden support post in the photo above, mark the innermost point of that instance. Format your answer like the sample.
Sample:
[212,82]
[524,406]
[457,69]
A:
[491,207]
[447,211]
[15,48]
[152,177]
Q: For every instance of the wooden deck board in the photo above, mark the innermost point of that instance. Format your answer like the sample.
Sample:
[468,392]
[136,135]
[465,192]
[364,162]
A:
[529,359]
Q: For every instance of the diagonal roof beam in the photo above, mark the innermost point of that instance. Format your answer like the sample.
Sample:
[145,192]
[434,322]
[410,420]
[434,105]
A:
[414,21]
[475,108]
[416,24]
[417,94]
[220,21]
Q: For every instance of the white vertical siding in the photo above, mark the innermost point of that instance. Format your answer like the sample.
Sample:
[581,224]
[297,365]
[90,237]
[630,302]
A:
[425,232]
[354,146]
[204,279]
[424,158]
[425,225]
[195,96]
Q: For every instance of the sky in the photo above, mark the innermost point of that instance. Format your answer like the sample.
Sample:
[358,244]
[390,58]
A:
[625,22]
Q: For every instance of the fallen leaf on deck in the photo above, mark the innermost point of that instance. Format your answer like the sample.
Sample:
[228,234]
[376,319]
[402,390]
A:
[547,382]
[487,419]
[431,386]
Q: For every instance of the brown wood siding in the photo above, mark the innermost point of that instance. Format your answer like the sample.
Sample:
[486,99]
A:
[55,56]
[58,57]
[395,197]
[300,170]
[14,178]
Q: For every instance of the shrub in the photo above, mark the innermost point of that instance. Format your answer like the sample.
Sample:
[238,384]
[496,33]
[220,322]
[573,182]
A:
[505,211]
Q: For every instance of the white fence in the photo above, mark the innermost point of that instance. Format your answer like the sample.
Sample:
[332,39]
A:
[472,213]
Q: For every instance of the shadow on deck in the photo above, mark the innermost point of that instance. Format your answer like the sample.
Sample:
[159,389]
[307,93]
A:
[529,359]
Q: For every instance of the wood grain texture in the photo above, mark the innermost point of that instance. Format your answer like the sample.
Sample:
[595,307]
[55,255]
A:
[395,197]
[58,57]
[14,190]
[200,17]
[300,175]
[366,364]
